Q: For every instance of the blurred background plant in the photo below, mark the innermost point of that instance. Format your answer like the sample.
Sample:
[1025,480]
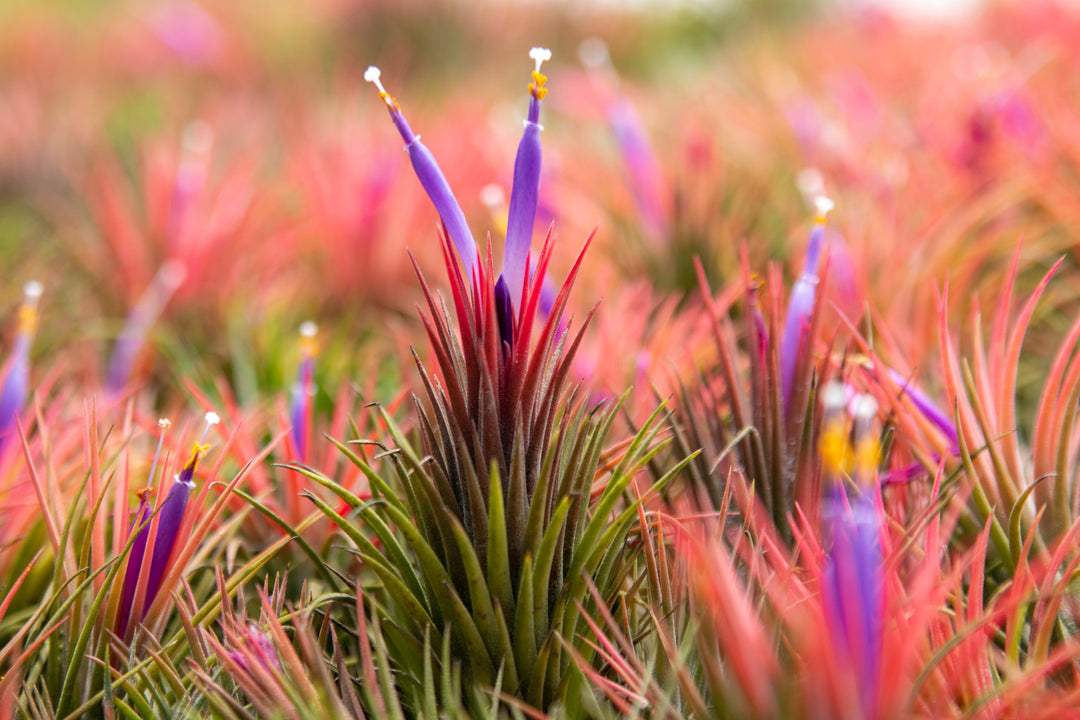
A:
[671,503]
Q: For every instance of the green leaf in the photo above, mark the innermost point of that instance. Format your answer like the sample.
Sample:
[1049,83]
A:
[498,562]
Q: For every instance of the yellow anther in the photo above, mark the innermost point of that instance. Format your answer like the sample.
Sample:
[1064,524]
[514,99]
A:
[822,207]
[867,458]
[835,450]
[309,344]
[197,451]
[28,320]
[145,493]
[539,78]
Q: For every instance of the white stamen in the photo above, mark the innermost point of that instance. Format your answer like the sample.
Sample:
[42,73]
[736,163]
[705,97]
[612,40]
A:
[212,419]
[834,397]
[865,408]
[308,329]
[164,424]
[372,75]
[539,54]
[823,206]
[33,290]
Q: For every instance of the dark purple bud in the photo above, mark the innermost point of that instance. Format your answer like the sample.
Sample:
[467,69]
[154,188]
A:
[504,311]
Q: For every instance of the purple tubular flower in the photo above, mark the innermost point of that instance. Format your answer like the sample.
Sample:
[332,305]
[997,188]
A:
[641,162]
[852,588]
[431,178]
[504,310]
[172,515]
[141,523]
[15,388]
[801,303]
[928,408]
[135,561]
[303,390]
[138,324]
[526,189]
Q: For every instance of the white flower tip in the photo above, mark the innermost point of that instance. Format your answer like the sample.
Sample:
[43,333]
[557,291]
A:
[865,408]
[308,329]
[823,206]
[164,423]
[372,75]
[540,55]
[33,290]
[493,196]
[834,397]
[593,53]
[212,418]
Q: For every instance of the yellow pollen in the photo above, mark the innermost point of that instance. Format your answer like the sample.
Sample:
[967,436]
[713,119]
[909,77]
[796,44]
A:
[835,449]
[536,87]
[390,101]
[28,320]
[867,458]
[144,493]
[197,451]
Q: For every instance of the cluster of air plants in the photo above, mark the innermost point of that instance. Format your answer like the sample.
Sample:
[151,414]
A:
[739,452]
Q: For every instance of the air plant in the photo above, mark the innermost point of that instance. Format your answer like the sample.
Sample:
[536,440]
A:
[147,576]
[495,530]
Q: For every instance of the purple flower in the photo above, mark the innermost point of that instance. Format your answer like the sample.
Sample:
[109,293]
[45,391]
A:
[526,188]
[255,645]
[928,408]
[138,324]
[852,584]
[801,303]
[641,164]
[171,516]
[303,390]
[852,588]
[15,387]
[431,178]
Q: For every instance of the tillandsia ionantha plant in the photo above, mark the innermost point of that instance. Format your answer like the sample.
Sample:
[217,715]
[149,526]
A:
[519,540]
[487,541]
